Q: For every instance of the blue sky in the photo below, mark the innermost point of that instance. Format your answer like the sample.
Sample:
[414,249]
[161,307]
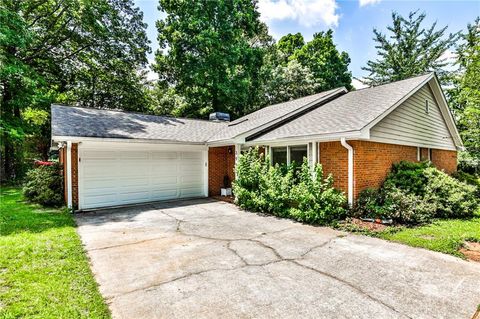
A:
[351,20]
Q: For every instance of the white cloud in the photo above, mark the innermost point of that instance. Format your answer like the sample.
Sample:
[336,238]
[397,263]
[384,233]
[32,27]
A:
[306,12]
[364,3]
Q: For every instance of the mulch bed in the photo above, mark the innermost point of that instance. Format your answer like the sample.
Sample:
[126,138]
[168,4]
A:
[368,225]
[471,250]
[228,199]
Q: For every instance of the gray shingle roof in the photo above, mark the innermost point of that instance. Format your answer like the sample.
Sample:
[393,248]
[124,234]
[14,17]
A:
[350,112]
[85,122]
[268,114]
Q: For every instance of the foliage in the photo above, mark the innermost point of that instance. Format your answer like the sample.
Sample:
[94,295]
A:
[287,191]
[469,179]
[464,94]
[71,51]
[417,192]
[394,203]
[290,82]
[412,50]
[321,56]
[44,185]
[45,272]
[468,163]
[211,53]
[288,45]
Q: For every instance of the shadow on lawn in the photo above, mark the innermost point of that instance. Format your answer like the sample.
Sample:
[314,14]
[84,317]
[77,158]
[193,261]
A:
[17,215]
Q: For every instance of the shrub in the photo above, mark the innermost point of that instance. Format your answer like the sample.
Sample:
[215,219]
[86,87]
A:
[286,190]
[417,192]
[469,163]
[469,179]
[407,208]
[454,198]
[44,185]
[369,204]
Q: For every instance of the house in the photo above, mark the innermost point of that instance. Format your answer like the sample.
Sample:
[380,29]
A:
[115,158]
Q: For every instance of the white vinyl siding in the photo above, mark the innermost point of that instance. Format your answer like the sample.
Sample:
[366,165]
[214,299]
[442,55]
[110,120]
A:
[410,124]
[111,177]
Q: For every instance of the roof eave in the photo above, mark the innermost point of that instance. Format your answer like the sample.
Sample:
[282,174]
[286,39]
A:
[76,139]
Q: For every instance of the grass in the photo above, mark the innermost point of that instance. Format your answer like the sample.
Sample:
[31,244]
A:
[44,272]
[444,235]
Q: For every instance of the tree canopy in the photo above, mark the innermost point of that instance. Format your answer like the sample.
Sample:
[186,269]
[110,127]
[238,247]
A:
[78,52]
[409,49]
[211,54]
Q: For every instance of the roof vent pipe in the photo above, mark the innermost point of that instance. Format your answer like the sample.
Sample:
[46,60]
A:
[219,117]
[350,169]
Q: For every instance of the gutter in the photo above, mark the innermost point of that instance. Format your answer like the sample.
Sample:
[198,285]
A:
[350,169]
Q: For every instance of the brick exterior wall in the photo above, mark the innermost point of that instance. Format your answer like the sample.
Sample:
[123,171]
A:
[373,161]
[221,162]
[334,160]
[75,175]
[445,160]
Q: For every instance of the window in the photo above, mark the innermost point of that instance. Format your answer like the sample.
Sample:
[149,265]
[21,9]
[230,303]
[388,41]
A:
[297,153]
[279,155]
[426,106]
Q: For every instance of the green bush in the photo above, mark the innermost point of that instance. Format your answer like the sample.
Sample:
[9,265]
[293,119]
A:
[417,192]
[44,185]
[469,179]
[287,190]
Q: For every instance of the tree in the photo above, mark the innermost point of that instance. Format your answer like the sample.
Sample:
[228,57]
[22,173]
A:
[211,54]
[86,53]
[412,50]
[465,95]
[288,45]
[328,65]
[290,82]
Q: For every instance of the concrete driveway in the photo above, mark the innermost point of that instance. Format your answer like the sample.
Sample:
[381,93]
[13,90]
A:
[208,259]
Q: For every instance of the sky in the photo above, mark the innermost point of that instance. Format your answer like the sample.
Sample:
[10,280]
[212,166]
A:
[352,21]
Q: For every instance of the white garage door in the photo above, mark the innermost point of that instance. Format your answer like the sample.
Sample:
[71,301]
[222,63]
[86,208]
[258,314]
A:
[119,177]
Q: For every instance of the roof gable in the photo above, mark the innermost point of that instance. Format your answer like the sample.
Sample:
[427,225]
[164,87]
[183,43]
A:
[351,112]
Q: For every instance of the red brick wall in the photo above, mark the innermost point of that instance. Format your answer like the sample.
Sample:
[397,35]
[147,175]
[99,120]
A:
[221,162]
[334,160]
[445,160]
[373,161]
[75,175]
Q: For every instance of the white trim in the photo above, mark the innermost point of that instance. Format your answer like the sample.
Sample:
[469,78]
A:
[205,173]
[350,170]
[404,143]
[314,156]
[419,155]
[289,159]
[238,152]
[69,174]
[300,140]
[75,139]
[142,146]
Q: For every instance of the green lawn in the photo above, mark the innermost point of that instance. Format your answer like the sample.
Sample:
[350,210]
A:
[44,272]
[446,236]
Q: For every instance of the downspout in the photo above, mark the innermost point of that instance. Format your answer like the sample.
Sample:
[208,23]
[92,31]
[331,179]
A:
[69,174]
[350,169]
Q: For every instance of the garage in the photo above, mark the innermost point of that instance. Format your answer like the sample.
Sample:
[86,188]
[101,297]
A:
[129,174]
